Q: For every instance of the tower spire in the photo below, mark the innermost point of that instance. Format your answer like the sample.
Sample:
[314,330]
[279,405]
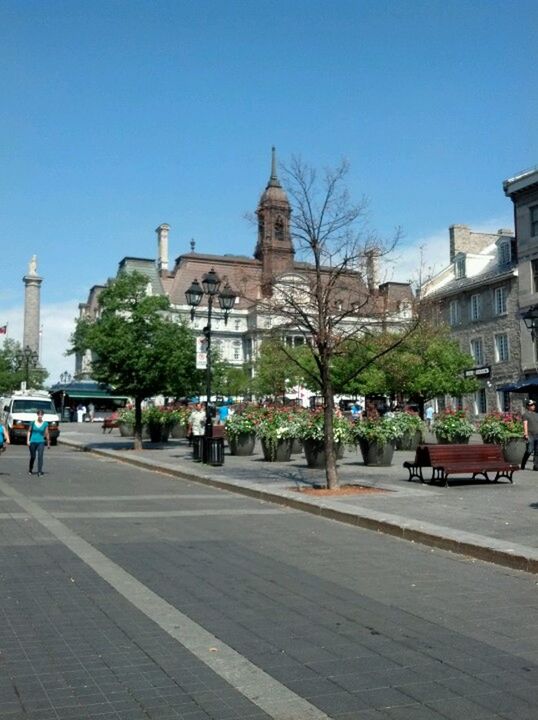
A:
[273,180]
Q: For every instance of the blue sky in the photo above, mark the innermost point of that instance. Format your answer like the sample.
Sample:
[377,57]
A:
[117,116]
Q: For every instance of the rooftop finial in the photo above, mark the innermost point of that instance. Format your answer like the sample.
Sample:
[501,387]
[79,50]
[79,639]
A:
[273,180]
[193,245]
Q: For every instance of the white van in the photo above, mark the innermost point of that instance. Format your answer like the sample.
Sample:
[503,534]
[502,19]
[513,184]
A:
[20,409]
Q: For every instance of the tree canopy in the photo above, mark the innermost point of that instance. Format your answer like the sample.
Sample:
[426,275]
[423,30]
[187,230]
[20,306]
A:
[13,370]
[135,347]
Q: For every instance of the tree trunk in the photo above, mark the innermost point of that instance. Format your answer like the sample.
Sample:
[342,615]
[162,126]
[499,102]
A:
[138,424]
[331,473]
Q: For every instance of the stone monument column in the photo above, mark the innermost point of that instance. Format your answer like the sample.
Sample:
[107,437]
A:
[32,304]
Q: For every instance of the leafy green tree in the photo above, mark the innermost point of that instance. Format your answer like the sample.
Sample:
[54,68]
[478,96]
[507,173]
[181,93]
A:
[134,346]
[13,370]
[423,365]
[230,380]
[275,369]
[427,364]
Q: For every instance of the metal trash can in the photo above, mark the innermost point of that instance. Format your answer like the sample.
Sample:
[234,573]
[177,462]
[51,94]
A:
[214,451]
[197,448]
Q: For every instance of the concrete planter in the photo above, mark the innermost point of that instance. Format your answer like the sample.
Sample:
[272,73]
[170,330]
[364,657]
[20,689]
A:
[374,453]
[158,433]
[458,440]
[409,441]
[277,451]
[178,431]
[514,449]
[296,446]
[242,444]
[126,430]
[314,451]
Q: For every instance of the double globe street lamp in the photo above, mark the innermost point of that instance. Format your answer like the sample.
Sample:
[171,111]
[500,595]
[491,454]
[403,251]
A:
[211,287]
[26,358]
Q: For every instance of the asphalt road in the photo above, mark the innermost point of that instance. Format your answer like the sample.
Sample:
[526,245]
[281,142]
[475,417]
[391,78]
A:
[129,594]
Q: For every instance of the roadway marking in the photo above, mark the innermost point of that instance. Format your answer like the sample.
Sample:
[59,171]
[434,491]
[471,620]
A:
[164,513]
[105,498]
[275,699]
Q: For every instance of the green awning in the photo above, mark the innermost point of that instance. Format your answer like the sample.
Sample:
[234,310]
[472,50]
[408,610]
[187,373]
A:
[76,394]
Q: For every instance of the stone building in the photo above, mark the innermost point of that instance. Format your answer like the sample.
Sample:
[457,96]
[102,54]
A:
[254,280]
[523,191]
[477,296]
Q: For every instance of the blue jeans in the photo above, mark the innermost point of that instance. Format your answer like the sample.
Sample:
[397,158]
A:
[37,448]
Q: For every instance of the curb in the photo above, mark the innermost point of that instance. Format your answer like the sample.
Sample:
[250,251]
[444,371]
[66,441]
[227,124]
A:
[499,552]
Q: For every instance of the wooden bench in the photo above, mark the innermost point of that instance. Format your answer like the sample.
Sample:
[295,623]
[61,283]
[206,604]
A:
[448,460]
[110,423]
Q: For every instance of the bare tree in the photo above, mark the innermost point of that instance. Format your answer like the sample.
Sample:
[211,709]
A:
[332,294]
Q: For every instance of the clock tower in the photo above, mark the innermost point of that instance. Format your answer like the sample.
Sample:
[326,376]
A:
[274,248]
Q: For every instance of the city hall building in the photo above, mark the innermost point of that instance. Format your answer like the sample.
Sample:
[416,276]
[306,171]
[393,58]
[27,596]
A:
[253,279]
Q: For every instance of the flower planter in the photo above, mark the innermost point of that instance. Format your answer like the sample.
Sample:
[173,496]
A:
[242,444]
[158,433]
[277,450]
[314,451]
[456,440]
[178,431]
[514,449]
[126,429]
[409,441]
[296,446]
[374,453]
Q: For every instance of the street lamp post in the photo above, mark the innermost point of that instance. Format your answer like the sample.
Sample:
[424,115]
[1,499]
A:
[530,318]
[211,287]
[27,358]
[65,379]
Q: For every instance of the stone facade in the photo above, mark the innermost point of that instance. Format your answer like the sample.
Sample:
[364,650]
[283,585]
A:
[523,191]
[477,296]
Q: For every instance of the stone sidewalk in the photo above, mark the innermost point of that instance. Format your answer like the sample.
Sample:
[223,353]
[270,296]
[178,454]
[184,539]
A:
[495,522]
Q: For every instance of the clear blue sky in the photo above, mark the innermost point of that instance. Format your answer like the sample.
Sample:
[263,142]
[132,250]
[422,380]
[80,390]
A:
[120,115]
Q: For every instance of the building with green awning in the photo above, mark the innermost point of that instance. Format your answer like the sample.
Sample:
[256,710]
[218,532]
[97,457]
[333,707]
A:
[67,396]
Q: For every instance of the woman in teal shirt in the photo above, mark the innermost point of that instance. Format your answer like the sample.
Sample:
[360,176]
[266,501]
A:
[38,434]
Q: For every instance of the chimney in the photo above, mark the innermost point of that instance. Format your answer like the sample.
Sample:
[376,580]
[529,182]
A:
[162,247]
[460,240]
[372,261]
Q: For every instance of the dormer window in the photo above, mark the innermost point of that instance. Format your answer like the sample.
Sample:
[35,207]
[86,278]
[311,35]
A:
[459,267]
[505,253]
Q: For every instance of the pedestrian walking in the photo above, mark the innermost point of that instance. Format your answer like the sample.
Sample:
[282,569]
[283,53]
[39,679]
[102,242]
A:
[4,438]
[429,416]
[91,411]
[196,427]
[530,431]
[37,436]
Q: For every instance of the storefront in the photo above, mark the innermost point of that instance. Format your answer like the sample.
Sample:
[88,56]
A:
[70,396]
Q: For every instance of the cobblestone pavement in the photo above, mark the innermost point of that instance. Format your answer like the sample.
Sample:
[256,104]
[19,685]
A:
[497,518]
[127,593]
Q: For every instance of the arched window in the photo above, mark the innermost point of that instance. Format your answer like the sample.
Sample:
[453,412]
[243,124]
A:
[279,229]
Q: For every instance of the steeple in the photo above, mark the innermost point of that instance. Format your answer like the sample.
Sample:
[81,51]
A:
[274,247]
[273,180]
